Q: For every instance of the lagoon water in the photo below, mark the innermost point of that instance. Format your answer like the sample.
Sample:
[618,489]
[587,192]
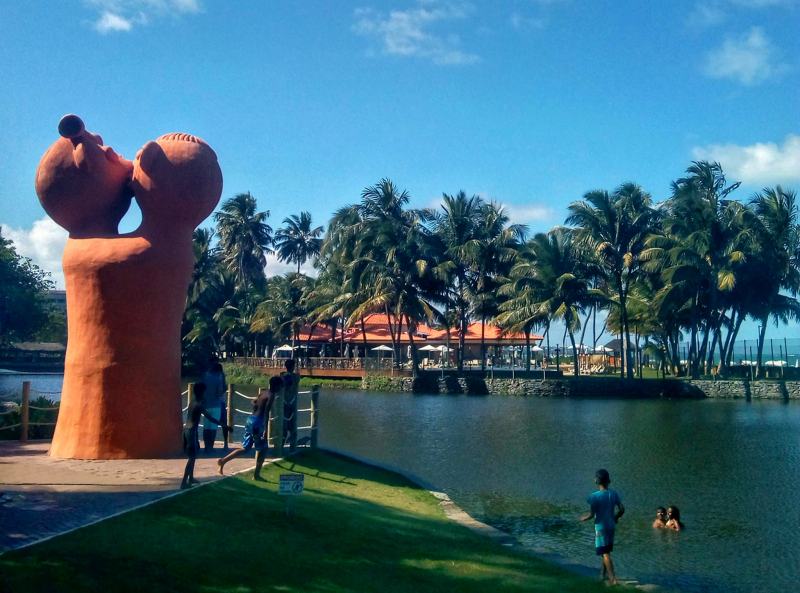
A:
[47,384]
[526,466]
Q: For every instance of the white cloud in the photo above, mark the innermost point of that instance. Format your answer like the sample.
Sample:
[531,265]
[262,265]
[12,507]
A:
[124,15]
[749,60]
[762,163]
[109,21]
[279,268]
[528,213]
[707,14]
[409,33]
[44,243]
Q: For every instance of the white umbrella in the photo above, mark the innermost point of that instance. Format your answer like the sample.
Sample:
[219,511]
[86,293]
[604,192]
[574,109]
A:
[536,349]
[284,348]
[602,349]
[775,363]
[428,348]
[443,348]
[382,348]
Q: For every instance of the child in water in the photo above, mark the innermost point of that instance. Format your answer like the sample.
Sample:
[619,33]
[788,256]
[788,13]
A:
[602,505]
[674,519]
[661,518]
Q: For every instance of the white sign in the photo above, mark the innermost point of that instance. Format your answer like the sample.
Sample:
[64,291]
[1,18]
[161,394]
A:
[291,484]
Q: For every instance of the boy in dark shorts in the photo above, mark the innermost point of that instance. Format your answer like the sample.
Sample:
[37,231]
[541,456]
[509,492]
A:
[191,443]
[605,506]
[255,427]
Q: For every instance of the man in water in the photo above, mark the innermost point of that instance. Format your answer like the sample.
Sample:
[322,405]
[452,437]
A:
[605,506]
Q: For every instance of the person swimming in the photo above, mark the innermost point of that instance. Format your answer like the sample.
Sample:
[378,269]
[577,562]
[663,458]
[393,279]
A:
[674,519]
[660,521]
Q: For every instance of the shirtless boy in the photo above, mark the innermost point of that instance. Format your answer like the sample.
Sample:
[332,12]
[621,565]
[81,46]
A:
[255,427]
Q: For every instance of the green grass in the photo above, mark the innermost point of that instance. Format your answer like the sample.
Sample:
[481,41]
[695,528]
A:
[355,529]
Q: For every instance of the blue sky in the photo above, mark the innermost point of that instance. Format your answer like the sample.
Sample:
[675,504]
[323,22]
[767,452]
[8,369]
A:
[529,102]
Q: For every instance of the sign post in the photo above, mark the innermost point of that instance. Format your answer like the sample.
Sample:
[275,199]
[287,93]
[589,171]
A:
[290,485]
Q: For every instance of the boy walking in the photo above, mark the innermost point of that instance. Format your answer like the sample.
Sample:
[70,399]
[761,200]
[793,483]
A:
[605,506]
[255,428]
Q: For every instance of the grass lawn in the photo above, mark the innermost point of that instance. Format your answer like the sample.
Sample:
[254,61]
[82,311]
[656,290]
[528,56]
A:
[355,529]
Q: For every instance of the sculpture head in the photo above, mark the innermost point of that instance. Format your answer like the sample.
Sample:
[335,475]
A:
[82,184]
[176,179]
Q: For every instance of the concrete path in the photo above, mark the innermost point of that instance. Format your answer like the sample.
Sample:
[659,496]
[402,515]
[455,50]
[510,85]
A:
[41,497]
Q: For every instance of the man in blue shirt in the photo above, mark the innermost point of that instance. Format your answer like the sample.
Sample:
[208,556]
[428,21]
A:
[605,505]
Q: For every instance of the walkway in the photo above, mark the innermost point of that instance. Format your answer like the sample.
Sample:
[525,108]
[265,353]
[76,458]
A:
[41,497]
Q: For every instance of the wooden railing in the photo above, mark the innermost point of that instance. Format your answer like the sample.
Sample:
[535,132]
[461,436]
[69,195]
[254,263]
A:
[275,434]
[275,429]
[314,362]
[24,411]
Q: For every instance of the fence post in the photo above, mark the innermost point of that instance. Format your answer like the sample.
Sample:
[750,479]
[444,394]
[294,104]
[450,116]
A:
[314,416]
[277,425]
[25,411]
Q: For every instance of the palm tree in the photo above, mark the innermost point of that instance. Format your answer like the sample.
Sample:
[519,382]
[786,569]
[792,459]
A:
[244,240]
[615,227]
[391,267]
[776,228]
[491,256]
[282,312]
[700,253]
[456,228]
[297,241]
[206,265]
[550,282]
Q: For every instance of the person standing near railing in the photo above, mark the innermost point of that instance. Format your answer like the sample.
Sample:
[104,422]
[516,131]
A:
[291,384]
[190,444]
[214,378]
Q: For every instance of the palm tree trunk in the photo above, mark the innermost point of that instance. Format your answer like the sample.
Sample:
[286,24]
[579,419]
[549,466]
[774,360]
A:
[725,344]
[391,330]
[414,361]
[710,358]
[584,328]
[364,336]
[624,332]
[462,322]
[528,349]
[547,336]
[761,334]
[483,342]
[733,337]
[575,365]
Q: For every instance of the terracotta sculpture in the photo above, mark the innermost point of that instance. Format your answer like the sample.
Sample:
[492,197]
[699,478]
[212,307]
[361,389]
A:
[125,292]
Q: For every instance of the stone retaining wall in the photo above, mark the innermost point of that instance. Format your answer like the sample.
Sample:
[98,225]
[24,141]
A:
[600,387]
[749,390]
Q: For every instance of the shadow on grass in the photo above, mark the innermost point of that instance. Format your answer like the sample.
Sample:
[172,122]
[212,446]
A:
[355,529]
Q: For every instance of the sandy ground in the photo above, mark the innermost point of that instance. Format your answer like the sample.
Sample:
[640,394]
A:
[41,496]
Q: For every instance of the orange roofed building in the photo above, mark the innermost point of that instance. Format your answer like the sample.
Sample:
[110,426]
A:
[376,331]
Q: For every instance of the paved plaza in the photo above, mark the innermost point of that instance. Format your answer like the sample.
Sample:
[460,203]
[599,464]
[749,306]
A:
[41,497]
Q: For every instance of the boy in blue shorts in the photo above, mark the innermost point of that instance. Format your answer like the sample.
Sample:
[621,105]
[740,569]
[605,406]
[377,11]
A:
[605,505]
[255,427]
